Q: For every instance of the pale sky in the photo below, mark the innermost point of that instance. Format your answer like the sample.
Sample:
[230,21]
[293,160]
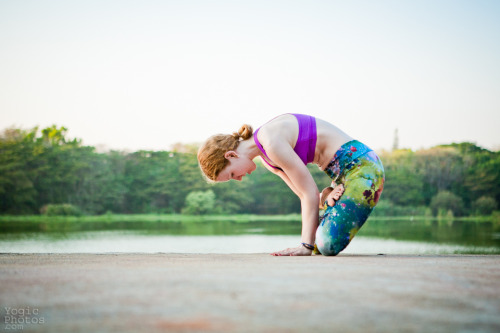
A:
[147,74]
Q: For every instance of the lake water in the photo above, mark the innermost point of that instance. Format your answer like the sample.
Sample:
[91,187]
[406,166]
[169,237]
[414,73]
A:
[376,237]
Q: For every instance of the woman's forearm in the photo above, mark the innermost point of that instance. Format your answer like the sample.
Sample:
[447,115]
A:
[310,213]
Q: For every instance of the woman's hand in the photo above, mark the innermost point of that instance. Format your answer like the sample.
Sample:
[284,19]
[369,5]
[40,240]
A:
[296,251]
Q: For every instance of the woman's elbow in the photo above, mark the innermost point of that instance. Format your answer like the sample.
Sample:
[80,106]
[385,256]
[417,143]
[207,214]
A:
[310,197]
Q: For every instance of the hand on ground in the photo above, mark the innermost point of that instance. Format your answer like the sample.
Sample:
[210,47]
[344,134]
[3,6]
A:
[295,251]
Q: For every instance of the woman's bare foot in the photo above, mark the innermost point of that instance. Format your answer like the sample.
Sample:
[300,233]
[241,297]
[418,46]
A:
[296,251]
[331,195]
[337,192]
[323,195]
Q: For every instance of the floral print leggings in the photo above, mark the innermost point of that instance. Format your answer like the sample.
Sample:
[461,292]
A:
[361,172]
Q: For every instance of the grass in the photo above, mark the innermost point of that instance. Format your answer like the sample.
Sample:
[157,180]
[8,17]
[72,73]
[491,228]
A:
[167,218]
[479,219]
[236,218]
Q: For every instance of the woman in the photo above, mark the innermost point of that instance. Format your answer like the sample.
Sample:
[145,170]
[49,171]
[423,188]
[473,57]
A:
[286,144]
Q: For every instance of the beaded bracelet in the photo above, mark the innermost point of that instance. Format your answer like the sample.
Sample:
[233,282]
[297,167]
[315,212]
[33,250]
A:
[308,246]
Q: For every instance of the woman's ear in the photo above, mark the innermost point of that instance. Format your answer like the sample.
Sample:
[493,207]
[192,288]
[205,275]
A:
[230,154]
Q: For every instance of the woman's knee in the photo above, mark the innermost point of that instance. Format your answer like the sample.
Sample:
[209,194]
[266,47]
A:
[328,250]
[330,245]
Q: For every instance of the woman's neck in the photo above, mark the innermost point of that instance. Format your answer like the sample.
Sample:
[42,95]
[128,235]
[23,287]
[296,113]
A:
[249,148]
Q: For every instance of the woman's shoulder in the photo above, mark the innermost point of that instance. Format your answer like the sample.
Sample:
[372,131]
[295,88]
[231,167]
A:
[281,128]
[282,122]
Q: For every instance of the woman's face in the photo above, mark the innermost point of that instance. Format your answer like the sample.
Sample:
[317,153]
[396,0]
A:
[238,167]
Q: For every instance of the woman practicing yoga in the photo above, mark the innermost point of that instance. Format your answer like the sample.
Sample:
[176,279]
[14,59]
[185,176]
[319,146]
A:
[286,144]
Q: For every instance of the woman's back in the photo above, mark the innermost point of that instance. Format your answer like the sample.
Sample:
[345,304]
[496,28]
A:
[286,127]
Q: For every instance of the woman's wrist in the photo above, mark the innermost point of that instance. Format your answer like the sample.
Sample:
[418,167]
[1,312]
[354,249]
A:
[307,246]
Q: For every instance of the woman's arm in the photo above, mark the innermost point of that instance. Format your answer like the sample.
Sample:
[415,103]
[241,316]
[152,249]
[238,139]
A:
[299,179]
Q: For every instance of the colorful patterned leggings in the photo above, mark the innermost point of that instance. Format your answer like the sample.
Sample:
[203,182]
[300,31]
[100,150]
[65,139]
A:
[361,172]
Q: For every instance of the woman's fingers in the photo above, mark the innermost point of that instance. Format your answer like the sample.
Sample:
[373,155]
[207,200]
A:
[296,251]
[281,253]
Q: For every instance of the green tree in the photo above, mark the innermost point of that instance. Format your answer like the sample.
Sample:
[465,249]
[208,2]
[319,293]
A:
[59,167]
[200,202]
[17,190]
[39,168]
[442,167]
[447,201]
[271,194]
[233,197]
[404,181]
[485,205]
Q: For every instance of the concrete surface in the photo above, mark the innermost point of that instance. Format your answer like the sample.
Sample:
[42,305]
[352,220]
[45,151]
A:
[248,293]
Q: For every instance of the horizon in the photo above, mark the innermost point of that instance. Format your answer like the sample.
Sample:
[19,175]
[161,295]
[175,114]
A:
[181,146]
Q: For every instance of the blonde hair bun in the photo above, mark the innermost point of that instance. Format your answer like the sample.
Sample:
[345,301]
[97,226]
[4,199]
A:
[245,132]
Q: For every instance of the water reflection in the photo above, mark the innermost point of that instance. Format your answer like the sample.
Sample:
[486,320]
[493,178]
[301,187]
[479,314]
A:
[377,236]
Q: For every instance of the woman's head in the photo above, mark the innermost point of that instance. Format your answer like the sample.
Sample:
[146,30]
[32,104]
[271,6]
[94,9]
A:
[211,155]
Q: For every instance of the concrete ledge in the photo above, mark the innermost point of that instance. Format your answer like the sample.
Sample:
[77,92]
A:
[249,293]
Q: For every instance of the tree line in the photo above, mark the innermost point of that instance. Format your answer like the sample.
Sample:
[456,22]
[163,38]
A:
[43,170]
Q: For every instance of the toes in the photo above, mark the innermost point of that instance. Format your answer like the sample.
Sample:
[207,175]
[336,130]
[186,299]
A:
[338,191]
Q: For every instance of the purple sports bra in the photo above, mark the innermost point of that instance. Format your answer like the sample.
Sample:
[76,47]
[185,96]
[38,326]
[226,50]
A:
[306,142]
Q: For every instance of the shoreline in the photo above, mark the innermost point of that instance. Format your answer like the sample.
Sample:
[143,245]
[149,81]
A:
[236,218]
[161,292]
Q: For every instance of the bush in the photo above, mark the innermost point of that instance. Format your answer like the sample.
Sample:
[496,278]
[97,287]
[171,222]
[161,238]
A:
[485,205]
[385,207]
[60,210]
[200,202]
[446,201]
